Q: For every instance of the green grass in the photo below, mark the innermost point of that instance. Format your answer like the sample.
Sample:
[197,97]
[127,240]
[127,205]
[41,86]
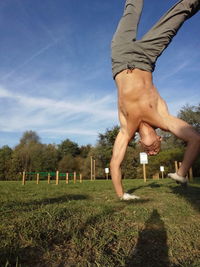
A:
[86,225]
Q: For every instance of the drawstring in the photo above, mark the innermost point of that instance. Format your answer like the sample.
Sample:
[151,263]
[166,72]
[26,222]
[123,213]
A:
[130,68]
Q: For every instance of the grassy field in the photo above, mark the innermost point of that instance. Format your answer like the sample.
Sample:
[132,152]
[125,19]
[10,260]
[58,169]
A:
[86,225]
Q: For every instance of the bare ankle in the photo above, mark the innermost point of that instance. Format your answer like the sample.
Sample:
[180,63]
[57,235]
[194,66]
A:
[181,173]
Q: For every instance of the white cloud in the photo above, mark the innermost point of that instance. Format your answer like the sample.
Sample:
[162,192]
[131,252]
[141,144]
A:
[5,93]
[47,115]
[62,131]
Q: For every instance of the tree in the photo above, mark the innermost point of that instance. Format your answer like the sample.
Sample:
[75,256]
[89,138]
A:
[191,114]
[5,162]
[50,157]
[28,157]
[28,154]
[67,164]
[68,147]
[108,138]
[29,137]
[84,151]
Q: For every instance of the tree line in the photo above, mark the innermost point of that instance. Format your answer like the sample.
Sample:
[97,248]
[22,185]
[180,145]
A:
[33,156]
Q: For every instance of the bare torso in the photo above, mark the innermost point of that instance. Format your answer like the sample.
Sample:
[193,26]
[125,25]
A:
[139,100]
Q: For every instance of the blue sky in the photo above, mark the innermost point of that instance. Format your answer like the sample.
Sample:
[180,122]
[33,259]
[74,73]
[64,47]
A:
[55,71]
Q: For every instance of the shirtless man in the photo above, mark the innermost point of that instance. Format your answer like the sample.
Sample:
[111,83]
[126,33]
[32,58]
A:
[140,106]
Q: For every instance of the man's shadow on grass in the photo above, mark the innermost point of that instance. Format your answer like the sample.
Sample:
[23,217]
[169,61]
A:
[151,249]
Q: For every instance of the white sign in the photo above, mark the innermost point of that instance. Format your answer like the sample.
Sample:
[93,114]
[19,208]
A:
[162,169]
[106,170]
[143,158]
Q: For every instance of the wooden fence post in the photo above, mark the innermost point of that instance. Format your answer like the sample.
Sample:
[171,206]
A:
[94,163]
[74,177]
[144,172]
[23,178]
[176,166]
[91,168]
[67,178]
[49,178]
[81,178]
[57,177]
[38,178]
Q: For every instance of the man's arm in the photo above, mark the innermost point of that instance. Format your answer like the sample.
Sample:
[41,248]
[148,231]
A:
[119,151]
[126,132]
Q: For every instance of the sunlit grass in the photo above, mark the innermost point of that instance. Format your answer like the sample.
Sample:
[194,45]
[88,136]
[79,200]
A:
[86,225]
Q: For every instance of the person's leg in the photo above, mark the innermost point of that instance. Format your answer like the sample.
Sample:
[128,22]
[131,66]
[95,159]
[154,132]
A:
[126,31]
[151,46]
[187,133]
[125,35]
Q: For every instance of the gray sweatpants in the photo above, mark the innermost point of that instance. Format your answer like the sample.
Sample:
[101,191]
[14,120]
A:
[129,53]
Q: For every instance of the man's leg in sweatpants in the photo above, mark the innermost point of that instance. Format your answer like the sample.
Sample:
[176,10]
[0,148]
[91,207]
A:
[159,36]
[125,35]
[127,28]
